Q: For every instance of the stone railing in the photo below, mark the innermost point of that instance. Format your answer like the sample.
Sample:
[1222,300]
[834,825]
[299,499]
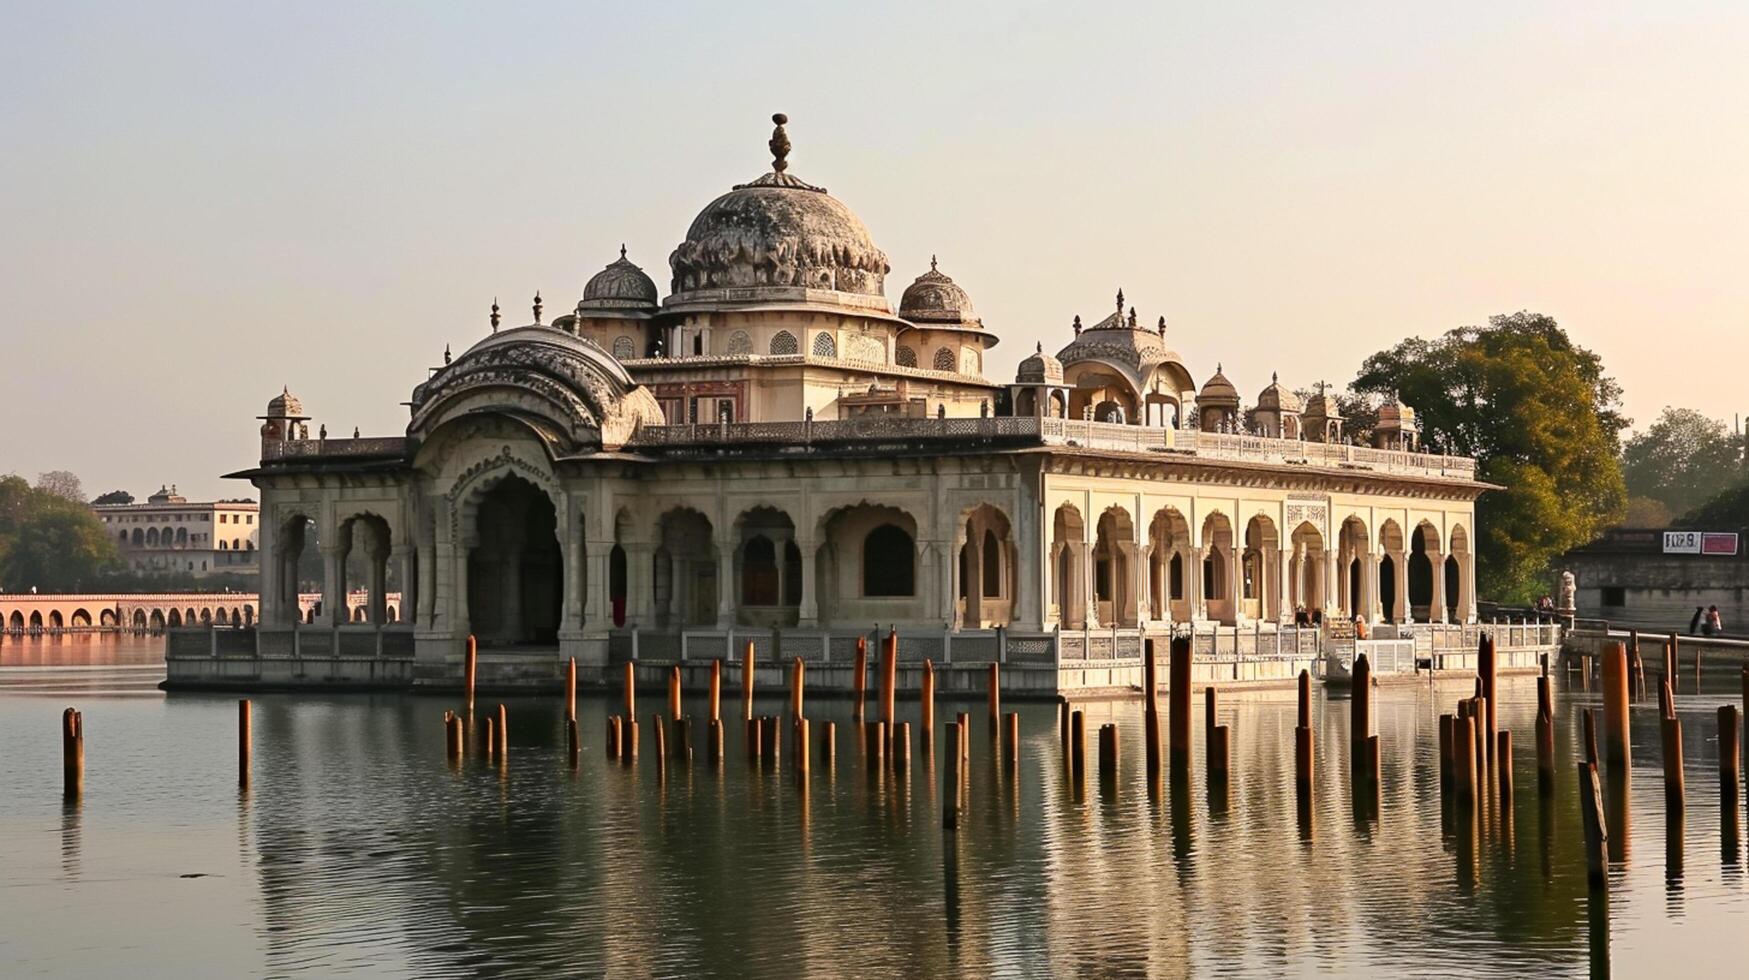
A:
[879,430]
[322,448]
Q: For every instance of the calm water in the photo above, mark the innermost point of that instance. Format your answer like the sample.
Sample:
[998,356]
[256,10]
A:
[359,852]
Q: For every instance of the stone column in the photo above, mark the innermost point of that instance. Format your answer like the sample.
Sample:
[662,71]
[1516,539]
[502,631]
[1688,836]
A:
[1436,603]
[974,581]
[1089,584]
[726,591]
[1194,599]
[334,583]
[640,584]
[596,589]
[272,598]
[1236,569]
[1370,586]
[1143,578]
[378,611]
[780,540]
[808,613]
[1286,562]
[425,585]
[575,613]
[1400,572]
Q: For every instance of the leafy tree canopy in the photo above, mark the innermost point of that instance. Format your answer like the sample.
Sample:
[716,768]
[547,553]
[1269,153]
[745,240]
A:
[115,497]
[62,484]
[1682,461]
[1542,420]
[47,540]
[1729,511]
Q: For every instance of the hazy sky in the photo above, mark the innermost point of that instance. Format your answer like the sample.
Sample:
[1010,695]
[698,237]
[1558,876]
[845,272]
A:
[202,202]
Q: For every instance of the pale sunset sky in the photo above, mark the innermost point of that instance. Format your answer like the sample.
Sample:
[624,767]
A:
[204,202]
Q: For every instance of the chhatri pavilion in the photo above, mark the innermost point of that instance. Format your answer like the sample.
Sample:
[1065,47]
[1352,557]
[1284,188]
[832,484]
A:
[770,451]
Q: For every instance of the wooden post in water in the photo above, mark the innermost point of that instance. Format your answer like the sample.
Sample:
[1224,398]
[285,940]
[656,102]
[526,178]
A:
[797,678]
[1487,665]
[802,754]
[876,749]
[659,731]
[829,745]
[889,680]
[1218,749]
[1011,741]
[491,739]
[926,721]
[859,680]
[902,747]
[965,720]
[952,784]
[713,710]
[1615,707]
[1360,703]
[571,689]
[1304,752]
[713,741]
[1463,757]
[72,753]
[574,741]
[683,740]
[630,681]
[1150,709]
[628,742]
[1596,829]
[1077,745]
[1108,754]
[1178,701]
[773,739]
[1545,736]
[747,682]
[470,671]
[1730,752]
[245,742]
[1671,730]
[995,697]
[1503,771]
[674,707]
[614,734]
[457,738]
[1305,713]
[503,734]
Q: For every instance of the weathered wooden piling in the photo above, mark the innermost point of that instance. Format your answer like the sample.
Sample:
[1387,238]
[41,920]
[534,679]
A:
[754,738]
[747,682]
[630,682]
[1360,701]
[859,679]
[1545,736]
[674,707]
[995,696]
[1011,740]
[1674,784]
[574,742]
[1218,752]
[772,731]
[1463,757]
[245,742]
[926,709]
[1615,706]
[503,734]
[1063,712]
[491,739]
[1730,752]
[458,738]
[628,740]
[615,736]
[965,720]
[1487,672]
[1150,709]
[470,672]
[829,745]
[1305,712]
[448,735]
[901,751]
[952,785]
[1108,754]
[1596,827]
[889,678]
[797,679]
[802,755]
[682,741]
[72,753]
[713,741]
[1304,758]
[659,740]
[713,710]
[875,750]
[1503,769]
[571,689]
[1178,700]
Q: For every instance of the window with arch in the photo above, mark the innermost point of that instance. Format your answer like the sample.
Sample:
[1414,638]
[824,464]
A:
[824,345]
[739,343]
[905,357]
[784,343]
[759,572]
[992,560]
[624,348]
[888,563]
[944,360]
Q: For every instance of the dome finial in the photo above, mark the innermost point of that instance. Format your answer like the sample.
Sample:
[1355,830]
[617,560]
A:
[1219,368]
[1077,324]
[622,251]
[932,263]
[494,314]
[779,144]
[537,306]
[1162,326]
[446,354]
[1038,347]
[1274,378]
[1120,301]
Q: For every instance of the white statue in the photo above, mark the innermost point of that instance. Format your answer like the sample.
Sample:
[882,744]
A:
[1568,591]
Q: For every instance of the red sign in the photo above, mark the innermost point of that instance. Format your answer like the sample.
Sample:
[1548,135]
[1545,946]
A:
[1718,543]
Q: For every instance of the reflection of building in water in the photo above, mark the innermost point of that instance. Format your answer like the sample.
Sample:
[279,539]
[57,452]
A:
[169,535]
[771,444]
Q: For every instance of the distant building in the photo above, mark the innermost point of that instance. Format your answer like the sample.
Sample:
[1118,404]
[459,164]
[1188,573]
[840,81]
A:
[169,535]
[1635,577]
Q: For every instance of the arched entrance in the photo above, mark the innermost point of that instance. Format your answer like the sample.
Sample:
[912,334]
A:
[1114,557]
[1261,569]
[1068,551]
[515,570]
[1219,602]
[985,570]
[1168,542]
[686,570]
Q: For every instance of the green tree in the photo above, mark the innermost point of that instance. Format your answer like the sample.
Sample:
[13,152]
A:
[48,541]
[1542,420]
[114,497]
[62,484]
[1682,461]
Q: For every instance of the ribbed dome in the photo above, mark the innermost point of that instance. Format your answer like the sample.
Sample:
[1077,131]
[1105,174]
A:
[1279,399]
[935,298]
[1394,413]
[1218,391]
[1119,342]
[778,232]
[620,286]
[285,405]
[1040,369]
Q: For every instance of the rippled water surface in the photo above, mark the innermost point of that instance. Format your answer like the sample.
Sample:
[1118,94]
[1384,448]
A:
[358,851]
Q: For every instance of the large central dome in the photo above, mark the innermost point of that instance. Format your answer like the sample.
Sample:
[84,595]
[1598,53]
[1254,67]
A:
[776,235]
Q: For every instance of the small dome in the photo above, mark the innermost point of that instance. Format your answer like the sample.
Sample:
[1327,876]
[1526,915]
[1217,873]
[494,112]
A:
[1275,398]
[935,298]
[1323,405]
[1040,369]
[285,405]
[1394,414]
[1218,391]
[620,286]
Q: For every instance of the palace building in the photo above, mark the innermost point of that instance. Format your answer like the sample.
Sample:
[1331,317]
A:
[767,449]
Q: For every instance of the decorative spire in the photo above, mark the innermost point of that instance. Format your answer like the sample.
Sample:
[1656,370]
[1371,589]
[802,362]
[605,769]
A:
[537,307]
[779,144]
[932,263]
[494,314]
[1274,378]
[1132,317]
[1120,301]
[1162,327]
[1038,347]
[1077,324]
[445,353]
[1219,369]
[622,251]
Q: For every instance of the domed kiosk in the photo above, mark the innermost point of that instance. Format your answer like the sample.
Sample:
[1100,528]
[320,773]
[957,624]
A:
[1122,372]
